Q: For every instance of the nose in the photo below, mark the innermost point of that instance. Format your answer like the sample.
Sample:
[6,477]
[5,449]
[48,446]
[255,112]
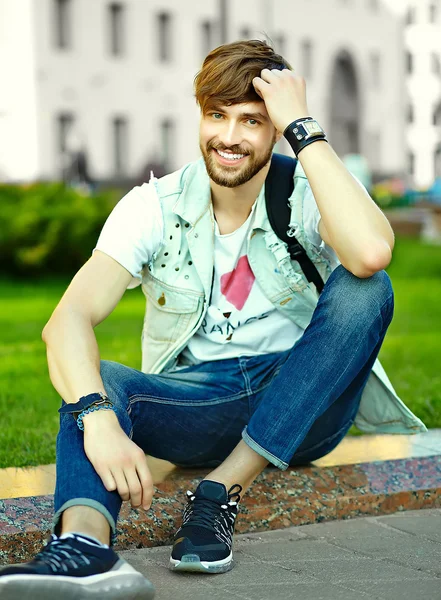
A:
[230,134]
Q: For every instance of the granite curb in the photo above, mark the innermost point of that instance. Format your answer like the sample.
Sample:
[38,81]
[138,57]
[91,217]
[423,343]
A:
[277,500]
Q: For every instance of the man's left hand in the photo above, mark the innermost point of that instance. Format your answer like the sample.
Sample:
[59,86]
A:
[284,95]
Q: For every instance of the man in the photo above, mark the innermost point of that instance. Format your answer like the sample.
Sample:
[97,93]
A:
[243,363]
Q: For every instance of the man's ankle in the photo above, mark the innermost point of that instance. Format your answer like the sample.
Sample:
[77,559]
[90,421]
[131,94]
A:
[85,520]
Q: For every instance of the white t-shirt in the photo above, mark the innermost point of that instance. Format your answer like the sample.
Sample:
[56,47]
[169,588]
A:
[240,319]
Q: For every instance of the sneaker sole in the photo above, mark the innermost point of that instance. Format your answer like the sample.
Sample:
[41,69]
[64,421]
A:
[193,563]
[123,582]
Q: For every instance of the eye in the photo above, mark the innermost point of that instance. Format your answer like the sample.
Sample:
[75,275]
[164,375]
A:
[253,122]
[216,115]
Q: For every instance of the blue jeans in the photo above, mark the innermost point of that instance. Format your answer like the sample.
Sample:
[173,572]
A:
[291,407]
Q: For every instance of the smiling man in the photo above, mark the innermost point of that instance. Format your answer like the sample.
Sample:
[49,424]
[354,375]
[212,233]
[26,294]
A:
[231,123]
[244,364]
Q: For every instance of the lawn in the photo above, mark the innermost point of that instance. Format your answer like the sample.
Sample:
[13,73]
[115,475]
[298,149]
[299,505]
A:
[28,402]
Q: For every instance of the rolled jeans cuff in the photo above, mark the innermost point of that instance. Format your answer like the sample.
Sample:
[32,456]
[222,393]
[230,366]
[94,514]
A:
[257,448]
[86,502]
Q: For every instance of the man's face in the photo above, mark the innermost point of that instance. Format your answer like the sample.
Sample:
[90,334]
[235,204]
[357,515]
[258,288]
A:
[245,136]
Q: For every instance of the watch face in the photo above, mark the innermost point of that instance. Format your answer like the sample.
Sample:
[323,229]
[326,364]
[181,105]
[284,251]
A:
[312,127]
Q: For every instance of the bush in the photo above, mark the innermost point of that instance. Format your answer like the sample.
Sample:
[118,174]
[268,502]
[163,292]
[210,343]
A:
[48,228]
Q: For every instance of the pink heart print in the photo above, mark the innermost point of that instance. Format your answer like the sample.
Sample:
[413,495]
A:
[236,285]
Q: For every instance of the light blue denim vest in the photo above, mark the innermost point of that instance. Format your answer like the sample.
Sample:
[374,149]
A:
[177,285]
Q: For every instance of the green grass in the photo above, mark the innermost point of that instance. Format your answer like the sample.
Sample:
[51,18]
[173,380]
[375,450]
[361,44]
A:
[29,404]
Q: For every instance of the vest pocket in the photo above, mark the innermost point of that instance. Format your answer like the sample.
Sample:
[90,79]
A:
[169,311]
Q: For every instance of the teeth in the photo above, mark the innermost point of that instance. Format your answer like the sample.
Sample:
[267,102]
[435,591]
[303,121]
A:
[230,156]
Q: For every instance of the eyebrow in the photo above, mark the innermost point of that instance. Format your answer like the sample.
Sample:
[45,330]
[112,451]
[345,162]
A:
[255,115]
[248,115]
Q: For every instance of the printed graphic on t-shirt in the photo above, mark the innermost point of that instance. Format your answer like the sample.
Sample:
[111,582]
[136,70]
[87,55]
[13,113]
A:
[226,328]
[236,303]
[236,285]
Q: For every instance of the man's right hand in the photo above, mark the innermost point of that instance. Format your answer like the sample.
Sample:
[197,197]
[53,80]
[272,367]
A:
[119,462]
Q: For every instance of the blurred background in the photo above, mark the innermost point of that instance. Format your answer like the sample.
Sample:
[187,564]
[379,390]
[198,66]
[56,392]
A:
[95,94]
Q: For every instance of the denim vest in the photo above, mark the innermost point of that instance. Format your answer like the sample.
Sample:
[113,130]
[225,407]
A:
[177,284]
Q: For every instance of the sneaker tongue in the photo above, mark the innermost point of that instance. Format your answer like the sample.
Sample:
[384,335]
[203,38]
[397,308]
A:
[212,490]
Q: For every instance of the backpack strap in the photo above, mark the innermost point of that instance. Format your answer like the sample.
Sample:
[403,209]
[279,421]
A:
[279,185]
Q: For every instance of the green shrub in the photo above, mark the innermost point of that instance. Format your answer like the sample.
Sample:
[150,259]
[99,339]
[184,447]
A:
[48,228]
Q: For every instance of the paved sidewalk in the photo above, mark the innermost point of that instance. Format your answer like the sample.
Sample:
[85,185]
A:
[395,557]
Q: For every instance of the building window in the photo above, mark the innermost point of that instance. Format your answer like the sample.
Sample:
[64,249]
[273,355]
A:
[435,64]
[409,62]
[65,125]
[167,137]
[63,24]
[410,15]
[436,119]
[410,115]
[437,163]
[120,145]
[375,69]
[223,6]
[306,51]
[373,149]
[164,32]
[433,13]
[207,33]
[116,29]
[411,163]
[245,33]
[279,44]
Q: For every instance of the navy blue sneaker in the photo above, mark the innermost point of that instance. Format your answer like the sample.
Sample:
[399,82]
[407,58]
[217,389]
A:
[74,567]
[204,541]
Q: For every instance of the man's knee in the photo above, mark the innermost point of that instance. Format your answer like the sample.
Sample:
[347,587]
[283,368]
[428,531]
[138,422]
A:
[351,295]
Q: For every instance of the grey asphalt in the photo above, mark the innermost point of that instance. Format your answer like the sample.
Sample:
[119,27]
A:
[394,557]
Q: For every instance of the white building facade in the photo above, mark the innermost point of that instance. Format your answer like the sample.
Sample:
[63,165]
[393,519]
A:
[423,80]
[120,74]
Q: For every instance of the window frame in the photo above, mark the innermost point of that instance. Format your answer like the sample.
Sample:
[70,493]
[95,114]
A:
[63,38]
[120,144]
[164,22]
[116,24]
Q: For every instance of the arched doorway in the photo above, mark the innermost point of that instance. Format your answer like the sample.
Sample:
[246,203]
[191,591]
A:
[345,106]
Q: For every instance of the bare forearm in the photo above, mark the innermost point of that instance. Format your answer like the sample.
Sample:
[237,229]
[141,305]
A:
[357,229]
[73,356]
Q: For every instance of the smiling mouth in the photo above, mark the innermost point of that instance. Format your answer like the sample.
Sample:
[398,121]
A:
[229,157]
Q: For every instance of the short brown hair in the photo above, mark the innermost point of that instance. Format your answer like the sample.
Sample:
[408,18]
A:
[228,71]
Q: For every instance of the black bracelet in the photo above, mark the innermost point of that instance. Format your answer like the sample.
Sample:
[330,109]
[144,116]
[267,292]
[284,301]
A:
[310,141]
[298,145]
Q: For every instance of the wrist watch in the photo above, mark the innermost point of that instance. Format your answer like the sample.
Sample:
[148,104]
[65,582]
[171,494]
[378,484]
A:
[305,128]
[302,132]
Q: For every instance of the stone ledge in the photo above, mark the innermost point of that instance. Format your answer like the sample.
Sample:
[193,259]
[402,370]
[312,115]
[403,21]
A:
[277,499]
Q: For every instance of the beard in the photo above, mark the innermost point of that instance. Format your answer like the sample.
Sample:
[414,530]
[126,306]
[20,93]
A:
[234,176]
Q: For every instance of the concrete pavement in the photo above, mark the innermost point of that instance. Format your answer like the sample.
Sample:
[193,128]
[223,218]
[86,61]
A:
[394,557]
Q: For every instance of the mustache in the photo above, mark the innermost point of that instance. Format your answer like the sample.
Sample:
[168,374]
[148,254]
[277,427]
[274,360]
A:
[222,148]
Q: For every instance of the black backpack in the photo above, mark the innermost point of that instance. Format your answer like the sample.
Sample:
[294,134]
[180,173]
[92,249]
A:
[279,185]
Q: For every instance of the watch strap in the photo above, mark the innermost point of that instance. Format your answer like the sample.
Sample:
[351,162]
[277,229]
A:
[84,402]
